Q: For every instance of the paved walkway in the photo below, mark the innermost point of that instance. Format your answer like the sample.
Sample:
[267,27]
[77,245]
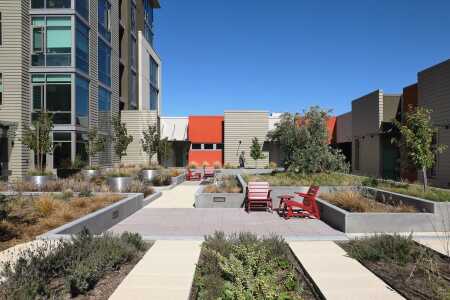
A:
[338,276]
[440,245]
[181,196]
[186,223]
[165,272]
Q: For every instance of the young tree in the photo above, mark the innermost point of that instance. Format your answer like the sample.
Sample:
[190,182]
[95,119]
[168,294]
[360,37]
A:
[37,138]
[96,144]
[121,138]
[417,136]
[304,143]
[164,150]
[150,141]
[256,151]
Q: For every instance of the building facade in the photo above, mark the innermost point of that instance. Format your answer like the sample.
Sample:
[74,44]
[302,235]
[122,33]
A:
[68,58]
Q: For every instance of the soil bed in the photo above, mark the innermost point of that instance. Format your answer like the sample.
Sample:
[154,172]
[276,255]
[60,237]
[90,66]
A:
[245,267]
[356,202]
[22,218]
[413,270]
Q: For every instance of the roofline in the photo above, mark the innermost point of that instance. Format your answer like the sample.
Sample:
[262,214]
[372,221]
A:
[434,66]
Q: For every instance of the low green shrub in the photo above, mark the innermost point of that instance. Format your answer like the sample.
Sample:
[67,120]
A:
[294,179]
[162,179]
[79,264]
[40,173]
[244,267]
[384,247]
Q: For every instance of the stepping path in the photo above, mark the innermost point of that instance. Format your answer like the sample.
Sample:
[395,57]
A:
[339,276]
[181,196]
[165,272]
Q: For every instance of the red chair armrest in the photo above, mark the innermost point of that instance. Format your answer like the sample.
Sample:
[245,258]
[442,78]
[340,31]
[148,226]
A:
[302,194]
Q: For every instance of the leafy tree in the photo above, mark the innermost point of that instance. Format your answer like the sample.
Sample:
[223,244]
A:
[121,138]
[164,150]
[37,138]
[96,144]
[417,136]
[256,151]
[151,141]
[304,143]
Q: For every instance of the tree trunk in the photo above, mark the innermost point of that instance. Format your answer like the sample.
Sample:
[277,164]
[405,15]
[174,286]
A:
[425,180]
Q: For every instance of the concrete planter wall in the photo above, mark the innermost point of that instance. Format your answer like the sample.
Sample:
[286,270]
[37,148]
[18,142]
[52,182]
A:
[175,181]
[119,184]
[40,181]
[103,219]
[429,220]
[148,175]
[221,200]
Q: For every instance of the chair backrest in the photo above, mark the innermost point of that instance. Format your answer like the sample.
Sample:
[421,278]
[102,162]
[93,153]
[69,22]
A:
[258,190]
[313,191]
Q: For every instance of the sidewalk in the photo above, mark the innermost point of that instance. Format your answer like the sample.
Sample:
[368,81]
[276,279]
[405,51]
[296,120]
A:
[339,276]
[181,196]
[165,272]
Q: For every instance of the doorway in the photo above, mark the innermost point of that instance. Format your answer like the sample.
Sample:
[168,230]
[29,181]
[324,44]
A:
[4,149]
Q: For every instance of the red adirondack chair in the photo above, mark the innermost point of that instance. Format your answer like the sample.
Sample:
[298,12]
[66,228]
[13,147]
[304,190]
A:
[258,196]
[307,208]
[193,175]
[209,172]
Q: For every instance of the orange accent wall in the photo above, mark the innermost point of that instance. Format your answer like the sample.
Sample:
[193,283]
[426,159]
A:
[331,127]
[205,129]
[209,156]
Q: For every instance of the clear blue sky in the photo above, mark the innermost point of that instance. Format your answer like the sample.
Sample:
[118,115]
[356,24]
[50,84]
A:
[286,55]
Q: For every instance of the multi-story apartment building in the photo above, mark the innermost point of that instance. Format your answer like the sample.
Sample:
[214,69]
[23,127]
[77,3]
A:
[77,59]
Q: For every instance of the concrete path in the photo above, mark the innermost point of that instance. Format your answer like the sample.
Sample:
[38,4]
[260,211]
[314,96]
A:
[186,223]
[181,196]
[439,245]
[338,276]
[165,272]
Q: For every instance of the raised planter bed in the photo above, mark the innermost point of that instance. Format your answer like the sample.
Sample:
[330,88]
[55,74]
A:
[427,219]
[103,219]
[221,200]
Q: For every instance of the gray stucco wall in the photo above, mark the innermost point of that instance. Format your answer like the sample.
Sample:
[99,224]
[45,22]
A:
[434,93]
[367,113]
[244,126]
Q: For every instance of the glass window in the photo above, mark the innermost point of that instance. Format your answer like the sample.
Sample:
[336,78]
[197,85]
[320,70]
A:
[133,50]
[148,22]
[104,100]
[37,4]
[219,146]
[53,93]
[104,63]
[196,146]
[208,146]
[153,71]
[133,18]
[104,22]
[133,100]
[82,51]
[58,3]
[82,102]
[62,153]
[81,147]
[357,154]
[82,7]
[51,41]
[1,88]
[153,98]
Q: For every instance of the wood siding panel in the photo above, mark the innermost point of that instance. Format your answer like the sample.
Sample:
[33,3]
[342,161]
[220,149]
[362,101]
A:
[244,126]
[434,93]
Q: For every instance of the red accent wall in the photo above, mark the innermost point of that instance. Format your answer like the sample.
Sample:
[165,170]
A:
[331,127]
[205,129]
[211,157]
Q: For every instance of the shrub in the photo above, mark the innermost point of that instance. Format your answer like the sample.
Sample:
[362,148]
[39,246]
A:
[46,205]
[226,184]
[205,164]
[193,165]
[137,186]
[244,267]
[370,181]
[79,264]
[384,247]
[217,165]
[162,179]
[273,165]
[40,173]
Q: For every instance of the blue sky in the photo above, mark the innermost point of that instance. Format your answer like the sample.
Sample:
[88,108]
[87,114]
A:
[286,55]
